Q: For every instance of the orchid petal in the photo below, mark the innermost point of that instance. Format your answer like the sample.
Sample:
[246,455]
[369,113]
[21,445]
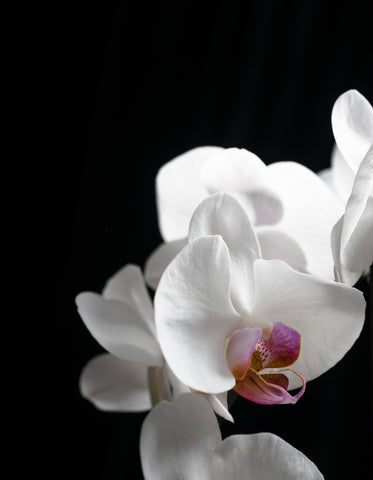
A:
[242,174]
[179,191]
[128,286]
[194,315]
[352,235]
[326,176]
[221,214]
[158,260]
[329,316]
[261,456]
[340,177]
[182,440]
[119,329]
[178,438]
[358,252]
[335,240]
[278,245]
[352,122]
[343,175]
[310,212]
[219,404]
[113,384]
[357,233]
[177,386]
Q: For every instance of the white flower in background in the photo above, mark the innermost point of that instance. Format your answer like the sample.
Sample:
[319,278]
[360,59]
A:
[291,208]
[133,376]
[182,441]
[182,183]
[122,321]
[351,178]
[227,319]
[352,236]
[352,123]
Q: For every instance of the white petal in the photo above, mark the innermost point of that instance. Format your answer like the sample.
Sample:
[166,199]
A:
[343,175]
[340,177]
[119,329]
[261,456]
[178,438]
[128,286]
[179,191]
[219,404]
[310,212]
[113,384]
[335,241]
[326,176]
[352,121]
[328,315]
[221,214]
[194,315]
[243,175]
[277,245]
[158,260]
[357,233]
[358,252]
[177,386]
[181,440]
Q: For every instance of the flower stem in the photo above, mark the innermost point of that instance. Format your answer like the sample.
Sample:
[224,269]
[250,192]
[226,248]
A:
[159,385]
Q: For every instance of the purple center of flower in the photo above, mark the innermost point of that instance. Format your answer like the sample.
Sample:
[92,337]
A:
[248,354]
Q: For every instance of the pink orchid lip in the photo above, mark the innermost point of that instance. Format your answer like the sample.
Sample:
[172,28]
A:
[240,350]
[248,354]
[268,389]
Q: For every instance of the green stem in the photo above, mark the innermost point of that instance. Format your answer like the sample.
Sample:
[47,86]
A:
[159,386]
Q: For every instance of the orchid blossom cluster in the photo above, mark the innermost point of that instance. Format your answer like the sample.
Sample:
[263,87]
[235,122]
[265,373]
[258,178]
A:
[253,292]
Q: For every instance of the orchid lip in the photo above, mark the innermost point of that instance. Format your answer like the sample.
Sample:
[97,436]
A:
[257,363]
[270,393]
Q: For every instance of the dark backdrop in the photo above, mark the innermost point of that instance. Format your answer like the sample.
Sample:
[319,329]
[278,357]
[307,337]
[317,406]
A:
[147,83]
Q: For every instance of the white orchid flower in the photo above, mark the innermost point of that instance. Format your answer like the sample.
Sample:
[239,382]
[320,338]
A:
[185,181]
[351,178]
[122,321]
[352,236]
[182,440]
[133,376]
[291,208]
[352,123]
[227,319]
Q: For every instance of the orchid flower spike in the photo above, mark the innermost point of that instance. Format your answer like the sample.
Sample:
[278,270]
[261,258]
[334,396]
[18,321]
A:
[228,319]
[182,440]
[133,376]
[291,209]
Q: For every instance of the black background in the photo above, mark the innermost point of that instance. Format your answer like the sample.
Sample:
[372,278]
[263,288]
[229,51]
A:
[147,83]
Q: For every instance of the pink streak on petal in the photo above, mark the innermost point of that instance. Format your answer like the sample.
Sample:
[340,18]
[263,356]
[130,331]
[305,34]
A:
[240,349]
[268,389]
[281,349]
